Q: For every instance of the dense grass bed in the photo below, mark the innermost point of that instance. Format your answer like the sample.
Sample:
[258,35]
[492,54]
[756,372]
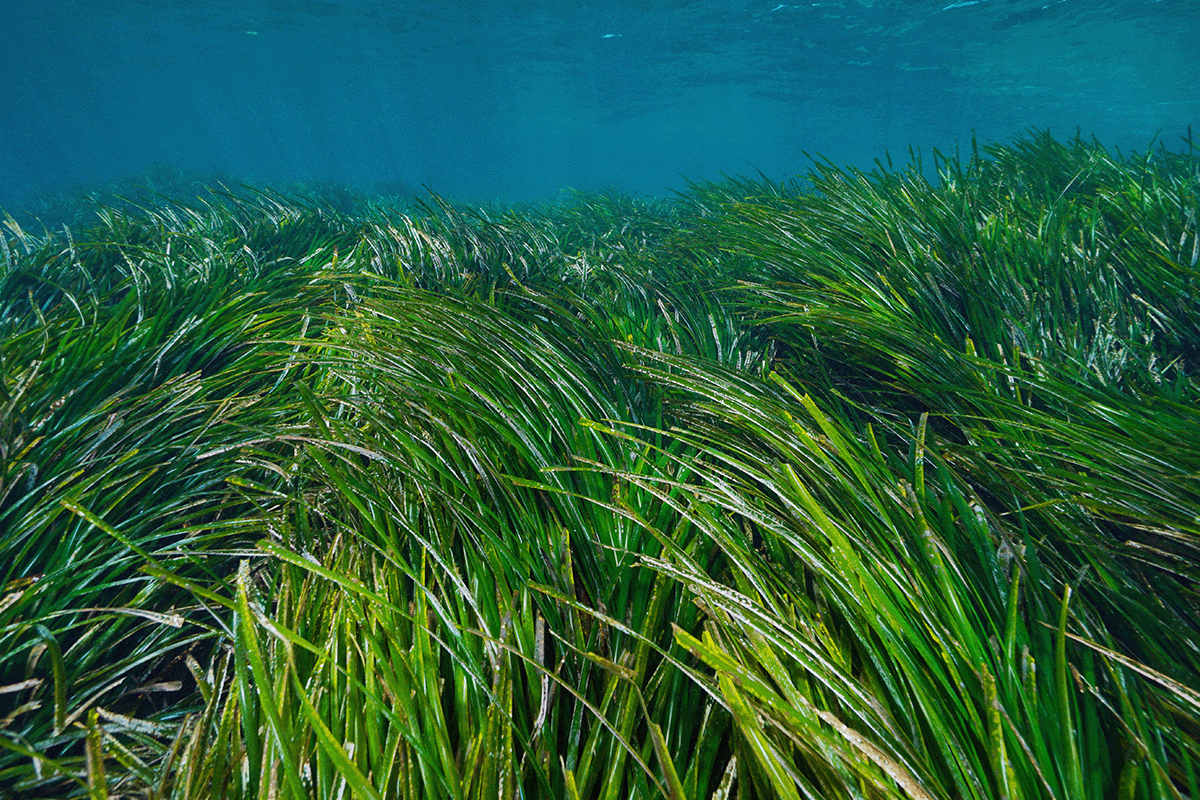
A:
[867,486]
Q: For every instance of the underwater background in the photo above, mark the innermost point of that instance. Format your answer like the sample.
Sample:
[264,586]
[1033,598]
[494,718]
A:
[517,101]
[601,401]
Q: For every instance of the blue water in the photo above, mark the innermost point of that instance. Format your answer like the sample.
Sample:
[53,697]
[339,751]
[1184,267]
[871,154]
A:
[518,101]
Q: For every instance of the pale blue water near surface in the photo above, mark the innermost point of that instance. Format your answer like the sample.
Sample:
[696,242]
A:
[518,101]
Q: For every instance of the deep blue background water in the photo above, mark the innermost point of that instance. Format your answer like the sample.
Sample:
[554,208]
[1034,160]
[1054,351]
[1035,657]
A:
[513,101]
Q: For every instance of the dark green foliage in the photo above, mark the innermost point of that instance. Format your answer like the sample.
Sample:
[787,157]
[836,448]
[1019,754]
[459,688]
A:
[865,486]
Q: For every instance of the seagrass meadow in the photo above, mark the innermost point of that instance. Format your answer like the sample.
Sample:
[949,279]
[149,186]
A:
[869,485]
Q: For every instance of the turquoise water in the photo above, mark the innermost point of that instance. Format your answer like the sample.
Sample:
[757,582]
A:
[518,101]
